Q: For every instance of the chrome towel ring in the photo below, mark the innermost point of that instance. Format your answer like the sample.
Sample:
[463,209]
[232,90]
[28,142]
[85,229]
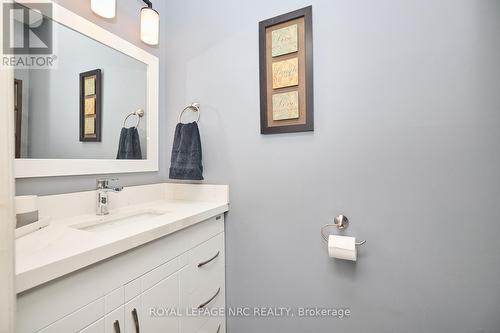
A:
[195,107]
[139,113]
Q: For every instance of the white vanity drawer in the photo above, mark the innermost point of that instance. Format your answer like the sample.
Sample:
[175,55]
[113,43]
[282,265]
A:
[132,289]
[196,323]
[78,320]
[205,265]
[208,298]
[159,273]
[114,299]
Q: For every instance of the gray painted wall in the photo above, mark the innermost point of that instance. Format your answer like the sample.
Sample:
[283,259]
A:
[406,145]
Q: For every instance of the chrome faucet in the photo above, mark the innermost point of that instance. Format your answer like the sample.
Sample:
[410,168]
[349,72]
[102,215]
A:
[103,189]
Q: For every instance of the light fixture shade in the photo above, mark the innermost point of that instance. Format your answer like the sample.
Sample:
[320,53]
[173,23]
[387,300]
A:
[150,26]
[104,8]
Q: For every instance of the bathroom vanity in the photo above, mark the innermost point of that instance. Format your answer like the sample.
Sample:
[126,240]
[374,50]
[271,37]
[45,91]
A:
[155,263]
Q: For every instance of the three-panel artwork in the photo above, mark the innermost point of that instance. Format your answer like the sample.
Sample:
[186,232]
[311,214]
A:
[286,64]
[90,106]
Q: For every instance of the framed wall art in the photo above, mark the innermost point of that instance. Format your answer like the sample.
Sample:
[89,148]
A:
[286,73]
[90,106]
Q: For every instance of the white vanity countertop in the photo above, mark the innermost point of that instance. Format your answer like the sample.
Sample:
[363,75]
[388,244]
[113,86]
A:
[61,248]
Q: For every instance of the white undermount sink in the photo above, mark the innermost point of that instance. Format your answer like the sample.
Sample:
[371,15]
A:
[119,220]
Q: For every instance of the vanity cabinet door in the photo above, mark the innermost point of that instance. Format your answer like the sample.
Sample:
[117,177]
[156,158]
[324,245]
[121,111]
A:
[115,321]
[133,316]
[156,304]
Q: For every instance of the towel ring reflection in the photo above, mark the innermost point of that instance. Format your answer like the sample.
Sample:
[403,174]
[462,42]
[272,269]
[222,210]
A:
[139,113]
[195,107]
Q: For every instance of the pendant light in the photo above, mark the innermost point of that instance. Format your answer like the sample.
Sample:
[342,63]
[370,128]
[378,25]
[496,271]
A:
[150,24]
[104,8]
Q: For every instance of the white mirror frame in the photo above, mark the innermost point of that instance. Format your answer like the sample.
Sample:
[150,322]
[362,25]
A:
[25,168]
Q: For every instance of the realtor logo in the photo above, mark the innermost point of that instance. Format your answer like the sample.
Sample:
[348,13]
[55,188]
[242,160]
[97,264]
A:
[27,35]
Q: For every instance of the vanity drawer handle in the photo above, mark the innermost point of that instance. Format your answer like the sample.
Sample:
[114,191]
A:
[116,324]
[136,320]
[201,306]
[209,260]
[218,329]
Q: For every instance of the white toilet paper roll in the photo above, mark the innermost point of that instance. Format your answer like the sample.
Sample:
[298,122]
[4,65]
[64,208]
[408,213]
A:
[342,247]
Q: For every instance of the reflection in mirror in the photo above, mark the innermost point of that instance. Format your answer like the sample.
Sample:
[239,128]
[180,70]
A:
[57,110]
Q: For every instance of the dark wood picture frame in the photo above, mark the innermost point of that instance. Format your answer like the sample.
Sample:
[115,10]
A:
[96,137]
[307,86]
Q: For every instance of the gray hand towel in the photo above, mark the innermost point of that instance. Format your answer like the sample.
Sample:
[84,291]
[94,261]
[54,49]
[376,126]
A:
[130,146]
[186,153]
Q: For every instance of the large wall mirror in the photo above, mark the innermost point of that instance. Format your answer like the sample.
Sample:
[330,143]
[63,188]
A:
[94,112]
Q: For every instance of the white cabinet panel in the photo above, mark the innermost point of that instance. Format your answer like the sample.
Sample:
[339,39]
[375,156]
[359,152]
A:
[79,319]
[133,316]
[115,321]
[132,289]
[114,299]
[159,273]
[156,303]
[97,327]
[214,325]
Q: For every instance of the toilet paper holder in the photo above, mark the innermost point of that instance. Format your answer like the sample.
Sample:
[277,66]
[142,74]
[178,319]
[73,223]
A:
[341,222]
